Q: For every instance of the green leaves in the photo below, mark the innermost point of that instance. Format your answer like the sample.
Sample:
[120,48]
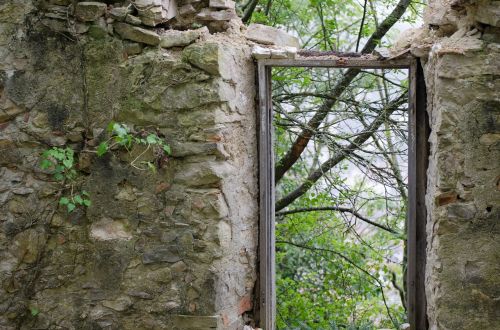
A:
[60,161]
[122,135]
[74,201]
[34,311]
[167,149]
[64,201]
[102,148]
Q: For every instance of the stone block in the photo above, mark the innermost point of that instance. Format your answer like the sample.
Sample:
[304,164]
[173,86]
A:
[489,14]
[222,4]
[89,11]
[132,48]
[279,53]
[161,254]
[268,35]
[466,211]
[200,174]
[57,12]
[183,149]
[191,96]
[134,33]
[489,139]
[174,38]
[208,14]
[107,229]
[259,52]
[154,12]
[187,10]
[120,304]
[189,322]
[119,13]
[134,20]
[204,56]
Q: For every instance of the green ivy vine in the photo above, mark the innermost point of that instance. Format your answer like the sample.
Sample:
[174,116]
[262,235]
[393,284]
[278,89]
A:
[60,161]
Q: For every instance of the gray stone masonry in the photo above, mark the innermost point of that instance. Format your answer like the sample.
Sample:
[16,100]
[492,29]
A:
[460,50]
[177,249]
[171,250]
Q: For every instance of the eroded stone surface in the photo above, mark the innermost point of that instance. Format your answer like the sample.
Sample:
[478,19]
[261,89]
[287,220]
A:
[268,35]
[154,12]
[463,200]
[173,38]
[137,34]
[87,11]
[150,246]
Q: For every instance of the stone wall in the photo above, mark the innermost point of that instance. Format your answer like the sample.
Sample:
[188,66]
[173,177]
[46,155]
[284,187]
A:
[460,47]
[175,249]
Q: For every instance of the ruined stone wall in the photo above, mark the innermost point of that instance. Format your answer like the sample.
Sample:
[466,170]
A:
[175,249]
[460,49]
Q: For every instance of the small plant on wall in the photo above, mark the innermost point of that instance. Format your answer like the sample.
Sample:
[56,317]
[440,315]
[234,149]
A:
[60,161]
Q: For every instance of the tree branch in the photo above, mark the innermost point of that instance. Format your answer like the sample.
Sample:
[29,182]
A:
[360,34]
[341,154]
[339,209]
[247,15]
[300,143]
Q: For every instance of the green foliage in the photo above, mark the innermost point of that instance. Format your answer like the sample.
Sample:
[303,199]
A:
[75,200]
[122,136]
[34,311]
[333,270]
[60,162]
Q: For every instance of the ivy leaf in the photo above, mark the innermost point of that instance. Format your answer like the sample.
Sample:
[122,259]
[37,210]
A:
[151,139]
[78,199]
[87,202]
[46,164]
[85,193]
[110,127]
[64,201]
[120,130]
[151,167]
[102,149]
[69,153]
[34,311]
[71,207]
[58,176]
[68,162]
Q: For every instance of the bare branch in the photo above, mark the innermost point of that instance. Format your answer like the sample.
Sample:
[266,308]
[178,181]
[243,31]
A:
[298,146]
[247,15]
[339,209]
[341,154]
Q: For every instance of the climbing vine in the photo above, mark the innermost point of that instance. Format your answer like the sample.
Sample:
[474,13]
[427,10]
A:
[60,161]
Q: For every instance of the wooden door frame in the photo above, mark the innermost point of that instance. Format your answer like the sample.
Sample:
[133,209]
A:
[418,151]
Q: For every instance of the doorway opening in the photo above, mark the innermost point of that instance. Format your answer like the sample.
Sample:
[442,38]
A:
[345,141]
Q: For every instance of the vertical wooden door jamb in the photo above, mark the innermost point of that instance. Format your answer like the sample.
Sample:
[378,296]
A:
[417,184]
[266,185]
[418,146]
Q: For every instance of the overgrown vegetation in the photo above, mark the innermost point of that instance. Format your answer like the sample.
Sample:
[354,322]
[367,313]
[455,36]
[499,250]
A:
[61,162]
[341,146]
